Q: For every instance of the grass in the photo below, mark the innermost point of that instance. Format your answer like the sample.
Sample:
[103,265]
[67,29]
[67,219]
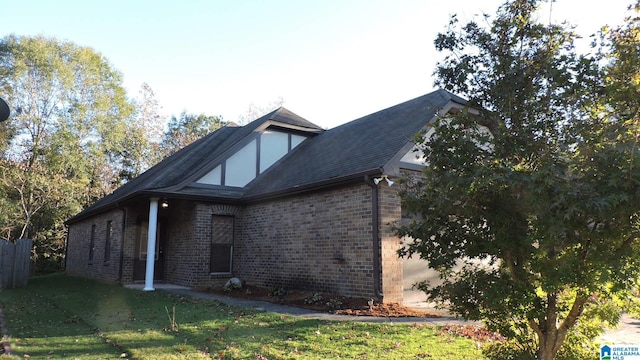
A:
[62,317]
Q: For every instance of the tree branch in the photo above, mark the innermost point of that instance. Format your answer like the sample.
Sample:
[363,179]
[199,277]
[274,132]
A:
[574,313]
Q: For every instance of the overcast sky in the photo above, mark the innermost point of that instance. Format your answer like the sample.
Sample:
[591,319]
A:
[331,61]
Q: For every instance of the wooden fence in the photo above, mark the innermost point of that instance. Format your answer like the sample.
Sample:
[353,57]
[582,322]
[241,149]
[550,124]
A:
[14,263]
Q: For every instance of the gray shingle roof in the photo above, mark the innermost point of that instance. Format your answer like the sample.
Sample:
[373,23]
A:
[356,148]
[362,146]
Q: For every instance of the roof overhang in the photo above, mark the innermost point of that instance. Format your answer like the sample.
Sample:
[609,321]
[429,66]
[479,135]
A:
[148,194]
[285,126]
[312,187]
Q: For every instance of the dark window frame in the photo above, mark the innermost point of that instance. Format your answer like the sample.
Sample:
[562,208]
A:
[258,139]
[92,243]
[107,241]
[221,250]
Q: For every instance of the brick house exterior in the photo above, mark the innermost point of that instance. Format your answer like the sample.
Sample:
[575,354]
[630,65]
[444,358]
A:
[278,202]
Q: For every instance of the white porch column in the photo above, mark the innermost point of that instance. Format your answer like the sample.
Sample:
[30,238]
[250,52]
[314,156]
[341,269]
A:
[151,244]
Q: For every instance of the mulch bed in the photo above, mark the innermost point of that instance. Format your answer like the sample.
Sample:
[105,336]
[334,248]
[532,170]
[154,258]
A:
[355,307]
[324,302]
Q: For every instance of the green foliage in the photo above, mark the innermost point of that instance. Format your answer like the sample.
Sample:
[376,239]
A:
[510,350]
[141,147]
[529,207]
[66,317]
[334,304]
[313,298]
[579,341]
[623,54]
[278,292]
[73,137]
[64,139]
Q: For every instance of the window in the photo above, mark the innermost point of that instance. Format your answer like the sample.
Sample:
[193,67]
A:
[252,159]
[221,244]
[296,140]
[92,242]
[273,146]
[241,166]
[214,177]
[107,243]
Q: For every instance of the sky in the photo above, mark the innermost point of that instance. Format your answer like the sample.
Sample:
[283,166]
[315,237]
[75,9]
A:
[330,61]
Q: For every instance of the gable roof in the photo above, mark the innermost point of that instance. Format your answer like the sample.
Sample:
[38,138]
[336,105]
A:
[192,158]
[365,146]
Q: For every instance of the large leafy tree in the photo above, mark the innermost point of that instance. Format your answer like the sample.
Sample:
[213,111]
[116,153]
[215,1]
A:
[64,139]
[141,148]
[529,205]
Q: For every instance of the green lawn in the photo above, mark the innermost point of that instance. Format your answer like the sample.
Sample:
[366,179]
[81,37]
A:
[62,317]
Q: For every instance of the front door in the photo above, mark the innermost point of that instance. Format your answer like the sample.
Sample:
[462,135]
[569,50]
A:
[140,261]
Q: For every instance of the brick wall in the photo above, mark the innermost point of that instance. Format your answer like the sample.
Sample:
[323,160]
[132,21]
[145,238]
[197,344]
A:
[189,240]
[130,235]
[77,260]
[181,251]
[319,241]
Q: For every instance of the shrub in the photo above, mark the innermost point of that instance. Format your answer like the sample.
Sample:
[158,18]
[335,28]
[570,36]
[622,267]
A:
[313,299]
[278,291]
[334,304]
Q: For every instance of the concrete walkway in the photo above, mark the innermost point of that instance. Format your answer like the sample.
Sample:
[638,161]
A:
[628,333]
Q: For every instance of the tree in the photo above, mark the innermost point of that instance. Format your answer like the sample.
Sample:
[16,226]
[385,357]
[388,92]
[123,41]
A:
[623,76]
[187,129]
[532,223]
[64,137]
[141,148]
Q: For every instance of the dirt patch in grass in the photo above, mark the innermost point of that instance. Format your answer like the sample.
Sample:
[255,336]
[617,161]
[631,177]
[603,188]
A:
[324,302]
[474,332]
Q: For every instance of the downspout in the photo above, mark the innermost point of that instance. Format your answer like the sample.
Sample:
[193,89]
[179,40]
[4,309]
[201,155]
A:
[375,236]
[124,228]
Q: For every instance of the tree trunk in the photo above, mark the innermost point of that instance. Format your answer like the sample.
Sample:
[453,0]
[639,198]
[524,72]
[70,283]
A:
[550,335]
[549,345]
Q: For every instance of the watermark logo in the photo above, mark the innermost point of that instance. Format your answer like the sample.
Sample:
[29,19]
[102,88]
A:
[620,352]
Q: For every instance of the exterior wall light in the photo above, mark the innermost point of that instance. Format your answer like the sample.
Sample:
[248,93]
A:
[383,177]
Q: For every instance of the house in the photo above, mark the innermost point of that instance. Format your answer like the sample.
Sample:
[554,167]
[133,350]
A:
[278,202]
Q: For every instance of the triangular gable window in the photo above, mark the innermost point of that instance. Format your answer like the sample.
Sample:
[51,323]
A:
[252,159]
[416,158]
[241,166]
